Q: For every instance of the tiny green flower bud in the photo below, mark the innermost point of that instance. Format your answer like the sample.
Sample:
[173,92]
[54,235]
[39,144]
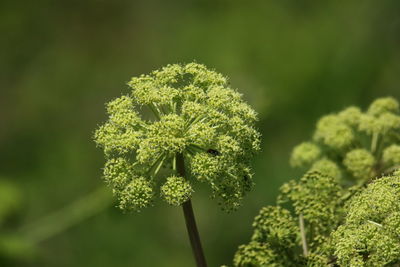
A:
[116,139]
[315,196]
[334,133]
[369,124]
[118,172]
[383,105]
[360,163]
[276,226]
[391,155]
[176,190]
[351,116]
[205,166]
[138,194]
[327,167]
[389,122]
[304,154]
[257,254]
[382,124]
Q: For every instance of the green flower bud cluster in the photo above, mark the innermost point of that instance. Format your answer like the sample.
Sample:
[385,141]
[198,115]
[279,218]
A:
[196,114]
[353,145]
[360,163]
[341,212]
[274,232]
[391,155]
[257,254]
[370,235]
[305,154]
[314,199]
[176,190]
[275,225]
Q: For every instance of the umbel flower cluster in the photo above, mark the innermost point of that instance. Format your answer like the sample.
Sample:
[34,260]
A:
[345,211]
[197,117]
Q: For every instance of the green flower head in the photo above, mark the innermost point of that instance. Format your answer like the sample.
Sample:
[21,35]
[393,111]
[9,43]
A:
[276,226]
[304,154]
[391,156]
[176,190]
[383,105]
[353,145]
[257,254]
[327,167]
[360,162]
[195,115]
[333,132]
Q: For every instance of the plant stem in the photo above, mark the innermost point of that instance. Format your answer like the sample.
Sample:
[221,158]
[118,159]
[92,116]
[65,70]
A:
[191,221]
[374,142]
[374,223]
[303,235]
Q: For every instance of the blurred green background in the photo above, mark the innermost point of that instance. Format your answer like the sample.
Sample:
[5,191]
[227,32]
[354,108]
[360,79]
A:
[62,60]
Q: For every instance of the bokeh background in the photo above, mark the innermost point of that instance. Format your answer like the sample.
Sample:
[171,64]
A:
[60,61]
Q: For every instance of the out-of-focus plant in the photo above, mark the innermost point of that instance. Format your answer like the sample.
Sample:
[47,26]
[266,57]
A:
[345,210]
[12,246]
[18,246]
[10,200]
[201,131]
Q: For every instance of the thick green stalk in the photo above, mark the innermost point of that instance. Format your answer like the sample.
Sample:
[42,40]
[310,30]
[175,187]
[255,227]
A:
[191,221]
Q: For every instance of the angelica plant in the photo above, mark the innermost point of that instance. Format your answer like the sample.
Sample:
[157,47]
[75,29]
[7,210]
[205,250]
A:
[345,210]
[201,131]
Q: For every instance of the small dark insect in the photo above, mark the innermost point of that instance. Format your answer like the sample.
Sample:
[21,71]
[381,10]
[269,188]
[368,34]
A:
[213,152]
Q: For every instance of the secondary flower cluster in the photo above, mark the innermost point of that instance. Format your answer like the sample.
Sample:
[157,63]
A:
[195,116]
[314,199]
[354,145]
[340,213]
[370,235]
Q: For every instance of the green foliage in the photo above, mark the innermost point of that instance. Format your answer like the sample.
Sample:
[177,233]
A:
[12,246]
[196,114]
[346,214]
[16,248]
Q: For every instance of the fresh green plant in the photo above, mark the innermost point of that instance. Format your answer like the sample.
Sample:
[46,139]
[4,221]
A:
[201,131]
[345,211]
